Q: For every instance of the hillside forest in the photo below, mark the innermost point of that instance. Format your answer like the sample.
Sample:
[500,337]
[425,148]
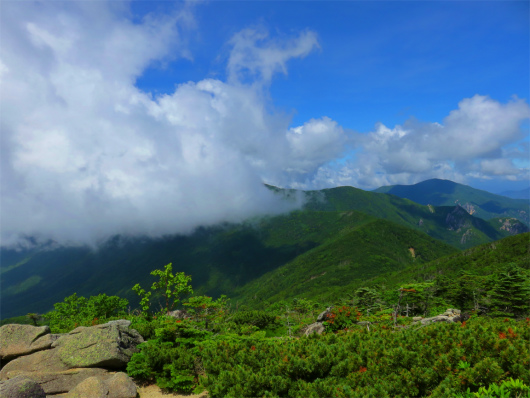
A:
[347,297]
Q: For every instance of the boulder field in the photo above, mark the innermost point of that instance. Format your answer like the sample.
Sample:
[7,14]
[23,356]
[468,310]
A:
[88,362]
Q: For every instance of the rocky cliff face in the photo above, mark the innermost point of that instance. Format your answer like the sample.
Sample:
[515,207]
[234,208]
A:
[456,219]
[512,225]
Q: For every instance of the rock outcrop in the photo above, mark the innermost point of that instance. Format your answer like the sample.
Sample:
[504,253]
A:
[451,315]
[118,386]
[21,387]
[179,314]
[324,315]
[17,340]
[66,361]
[316,327]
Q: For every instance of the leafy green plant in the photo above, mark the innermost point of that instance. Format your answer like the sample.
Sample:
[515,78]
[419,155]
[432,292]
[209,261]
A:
[170,286]
[509,388]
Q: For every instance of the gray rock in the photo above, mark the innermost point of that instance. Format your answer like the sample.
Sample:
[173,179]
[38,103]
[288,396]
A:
[77,356]
[40,361]
[121,386]
[18,340]
[62,381]
[316,327]
[324,315]
[91,387]
[122,322]
[452,312]
[21,387]
[107,345]
[118,386]
[434,319]
[179,314]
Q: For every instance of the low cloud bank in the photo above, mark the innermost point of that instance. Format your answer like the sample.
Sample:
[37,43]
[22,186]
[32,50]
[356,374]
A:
[87,155]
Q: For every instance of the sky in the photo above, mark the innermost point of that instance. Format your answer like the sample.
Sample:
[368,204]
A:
[152,118]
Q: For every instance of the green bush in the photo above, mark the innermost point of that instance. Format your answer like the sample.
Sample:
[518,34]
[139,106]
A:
[77,311]
[260,319]
[438,360]
[171,358]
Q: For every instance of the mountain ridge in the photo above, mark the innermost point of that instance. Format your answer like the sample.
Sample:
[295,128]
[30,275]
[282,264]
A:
[477,202]
[226,257]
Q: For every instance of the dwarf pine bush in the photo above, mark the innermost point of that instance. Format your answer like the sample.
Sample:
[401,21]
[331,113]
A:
[381,362]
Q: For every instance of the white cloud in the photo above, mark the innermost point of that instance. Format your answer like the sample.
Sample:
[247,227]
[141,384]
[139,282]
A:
[471,142]
[86,155]
[255,56]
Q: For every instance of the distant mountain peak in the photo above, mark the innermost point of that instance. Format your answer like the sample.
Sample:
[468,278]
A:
[476,202]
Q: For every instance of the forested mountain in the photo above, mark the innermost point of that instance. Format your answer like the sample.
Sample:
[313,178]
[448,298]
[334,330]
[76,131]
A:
[476,202]
[222,259]
[519,194]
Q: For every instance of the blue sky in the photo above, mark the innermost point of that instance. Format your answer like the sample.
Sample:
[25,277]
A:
[378,61]
[149,117]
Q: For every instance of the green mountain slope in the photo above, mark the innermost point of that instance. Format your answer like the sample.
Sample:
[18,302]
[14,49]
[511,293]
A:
[344,263]
[224,258]
[448,193]
[451,224]
[520,194]
[219,260]
[481,260]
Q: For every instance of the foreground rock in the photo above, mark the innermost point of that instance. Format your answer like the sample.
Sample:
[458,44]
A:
[17,340]
[109,346]
[70,359]
[118,386]
[21,387]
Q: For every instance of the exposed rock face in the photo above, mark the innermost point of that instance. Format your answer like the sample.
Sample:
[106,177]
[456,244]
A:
[451,315]
[316,327]
[179,314]
[41,361]
[66,361]
[110,345]
[17,340]
[324,315]
[21,387]
[118,386]
[61,381]
[512,225]
[455,220]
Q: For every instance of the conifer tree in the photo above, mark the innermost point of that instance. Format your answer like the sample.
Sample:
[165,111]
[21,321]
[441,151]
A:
[511,294]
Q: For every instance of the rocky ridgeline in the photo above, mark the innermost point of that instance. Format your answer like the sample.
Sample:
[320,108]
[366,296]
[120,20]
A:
[85,363]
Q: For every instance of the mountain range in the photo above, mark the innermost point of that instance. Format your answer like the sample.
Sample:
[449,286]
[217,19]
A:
[519,194]
[340,238]
[475,201]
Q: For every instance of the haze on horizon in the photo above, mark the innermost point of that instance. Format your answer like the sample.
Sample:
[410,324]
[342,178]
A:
[152,118]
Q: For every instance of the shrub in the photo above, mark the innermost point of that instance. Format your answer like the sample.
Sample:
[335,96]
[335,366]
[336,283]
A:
[171,358]
[260,319]
[78,311]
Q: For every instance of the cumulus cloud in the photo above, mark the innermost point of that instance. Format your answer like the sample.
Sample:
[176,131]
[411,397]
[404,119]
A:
[86,154]
[470,142]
